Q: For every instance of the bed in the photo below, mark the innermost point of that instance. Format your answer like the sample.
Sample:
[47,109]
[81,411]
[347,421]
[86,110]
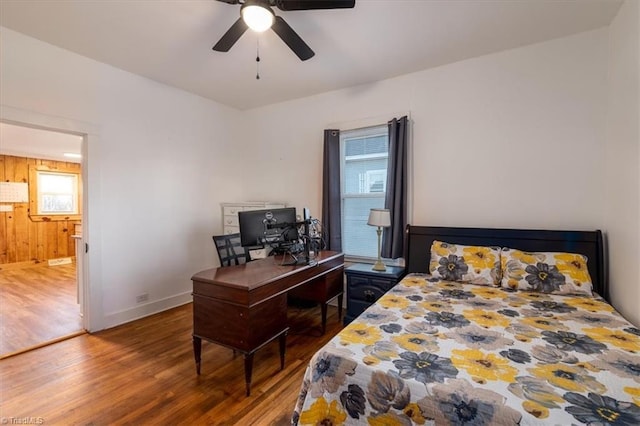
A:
[489,326]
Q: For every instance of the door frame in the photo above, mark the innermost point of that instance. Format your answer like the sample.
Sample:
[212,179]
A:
[89,283]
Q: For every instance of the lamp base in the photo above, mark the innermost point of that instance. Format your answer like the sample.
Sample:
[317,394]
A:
[379,266]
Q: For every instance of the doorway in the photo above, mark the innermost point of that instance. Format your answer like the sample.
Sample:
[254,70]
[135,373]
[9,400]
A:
[41,278]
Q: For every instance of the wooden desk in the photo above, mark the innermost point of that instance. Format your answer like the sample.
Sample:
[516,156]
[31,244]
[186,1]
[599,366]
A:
[244,307]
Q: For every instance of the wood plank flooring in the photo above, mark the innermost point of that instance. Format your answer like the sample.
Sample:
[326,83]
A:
[38,304]
[143,373]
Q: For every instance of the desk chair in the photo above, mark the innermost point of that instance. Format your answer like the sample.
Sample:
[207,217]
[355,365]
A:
[230,252]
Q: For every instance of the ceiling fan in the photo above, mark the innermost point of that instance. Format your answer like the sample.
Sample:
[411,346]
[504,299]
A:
[258,15]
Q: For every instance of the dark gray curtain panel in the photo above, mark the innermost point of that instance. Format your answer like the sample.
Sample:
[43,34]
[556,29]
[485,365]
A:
[396,196]
[331,221]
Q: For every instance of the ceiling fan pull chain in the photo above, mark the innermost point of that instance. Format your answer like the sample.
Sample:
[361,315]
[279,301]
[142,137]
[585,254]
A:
[257,58]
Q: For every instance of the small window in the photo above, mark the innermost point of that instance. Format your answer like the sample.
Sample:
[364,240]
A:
[364,157]
[57,193]
[54,194]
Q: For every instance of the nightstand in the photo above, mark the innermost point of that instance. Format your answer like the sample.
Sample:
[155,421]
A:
[365,286]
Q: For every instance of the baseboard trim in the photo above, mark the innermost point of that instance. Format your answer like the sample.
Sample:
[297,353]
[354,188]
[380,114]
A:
[156,306]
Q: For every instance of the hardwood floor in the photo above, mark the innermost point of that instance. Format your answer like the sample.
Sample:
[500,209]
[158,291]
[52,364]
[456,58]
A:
[144,372]
[38,305]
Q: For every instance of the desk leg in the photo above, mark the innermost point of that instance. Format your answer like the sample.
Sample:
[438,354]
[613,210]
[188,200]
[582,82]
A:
[248,369]
[283,346]
[340,306]
[197,351]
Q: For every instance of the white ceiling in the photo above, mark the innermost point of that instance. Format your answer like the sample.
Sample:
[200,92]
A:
[22,141]
[170,41]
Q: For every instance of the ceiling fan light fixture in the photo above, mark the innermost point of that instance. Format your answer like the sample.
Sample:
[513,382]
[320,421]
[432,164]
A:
[258,16]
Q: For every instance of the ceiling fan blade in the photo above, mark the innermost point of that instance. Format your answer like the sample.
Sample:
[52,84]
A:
[231,36]
[292,39]
[314,4]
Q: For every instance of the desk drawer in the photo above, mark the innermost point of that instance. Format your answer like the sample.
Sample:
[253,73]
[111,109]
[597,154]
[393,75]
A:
[240,327]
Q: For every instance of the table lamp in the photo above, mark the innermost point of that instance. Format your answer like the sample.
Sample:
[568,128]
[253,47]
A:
[382,219]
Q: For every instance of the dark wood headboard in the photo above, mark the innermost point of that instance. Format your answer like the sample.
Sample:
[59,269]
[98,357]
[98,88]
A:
[589,243]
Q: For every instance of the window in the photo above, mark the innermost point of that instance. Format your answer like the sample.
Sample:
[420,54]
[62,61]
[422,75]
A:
[54,194]
[57,193]
[364,156]
[374,181]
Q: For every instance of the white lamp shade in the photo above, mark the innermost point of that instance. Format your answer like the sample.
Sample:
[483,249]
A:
[257,17]
[379,217]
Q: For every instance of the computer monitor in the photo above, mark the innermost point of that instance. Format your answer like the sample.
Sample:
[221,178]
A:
[260,228]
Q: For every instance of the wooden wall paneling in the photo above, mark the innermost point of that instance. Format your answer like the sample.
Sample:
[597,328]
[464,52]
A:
[10,167]
[21,224]
[21,212]
[3,238]
[68,232]
[10,171]
[33,227]
[51,239]
[33,241]
[23,240]
[71,246]
[70,224]
[41,242]
[3,216]
[63,238]
[11,239]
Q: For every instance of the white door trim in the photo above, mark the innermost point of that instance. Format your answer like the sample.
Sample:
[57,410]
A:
[91,280]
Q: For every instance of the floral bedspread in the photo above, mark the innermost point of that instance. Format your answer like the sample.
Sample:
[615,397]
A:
[442,352]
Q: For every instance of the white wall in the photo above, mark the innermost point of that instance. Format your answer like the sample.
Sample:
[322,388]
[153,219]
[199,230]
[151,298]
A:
[622,161]
[163,163]
[513,139]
